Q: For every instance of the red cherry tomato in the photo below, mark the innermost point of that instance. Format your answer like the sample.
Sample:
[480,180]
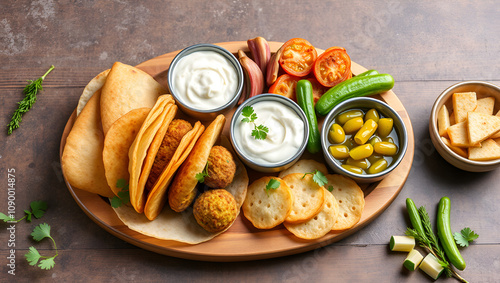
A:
[297,57]
[285,85]
[332,67]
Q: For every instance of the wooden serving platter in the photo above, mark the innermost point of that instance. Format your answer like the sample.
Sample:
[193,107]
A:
[242,241]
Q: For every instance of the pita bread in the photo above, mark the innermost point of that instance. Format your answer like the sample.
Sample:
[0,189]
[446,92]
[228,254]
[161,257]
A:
[94,85]
[117,144]
[183,189]
[182,227]
[82,156]
[158,195]
[163,112]
[127,88]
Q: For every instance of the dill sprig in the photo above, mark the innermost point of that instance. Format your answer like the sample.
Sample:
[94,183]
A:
[430,242]
[30,92]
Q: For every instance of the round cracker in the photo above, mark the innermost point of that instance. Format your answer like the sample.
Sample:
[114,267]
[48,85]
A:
[308,197]
[183,189]
[305,166]
[267,208]
[350,198]
[320,224]
[117,144]
[92,87]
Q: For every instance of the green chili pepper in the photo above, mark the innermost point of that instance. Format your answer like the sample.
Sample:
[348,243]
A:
[306,102]
[445,235]
[354,87]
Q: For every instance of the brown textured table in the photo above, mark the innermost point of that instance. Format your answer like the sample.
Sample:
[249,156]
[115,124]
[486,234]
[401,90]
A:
[426,47]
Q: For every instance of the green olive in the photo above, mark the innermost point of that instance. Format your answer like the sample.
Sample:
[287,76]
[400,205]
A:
[353,169]
[336,134]
[363,163]
[385,127]
[374,139]
[379,166]
[353,125]
[361,152]
[349,142]
[374,158]
[388,139]
[362,136]
[385,148]
[339,151]
[348,115]
[372,114]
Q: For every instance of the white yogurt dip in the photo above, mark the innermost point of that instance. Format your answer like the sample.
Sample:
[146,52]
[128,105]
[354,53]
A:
[204,80]
[283,141]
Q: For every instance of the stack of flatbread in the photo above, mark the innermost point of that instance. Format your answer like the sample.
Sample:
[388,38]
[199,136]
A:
[123,116]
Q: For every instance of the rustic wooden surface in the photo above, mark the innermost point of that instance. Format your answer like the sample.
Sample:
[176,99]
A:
[426,46]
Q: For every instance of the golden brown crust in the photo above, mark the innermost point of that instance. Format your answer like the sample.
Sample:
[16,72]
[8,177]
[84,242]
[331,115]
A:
[221,168]
[183,189]
[215,210]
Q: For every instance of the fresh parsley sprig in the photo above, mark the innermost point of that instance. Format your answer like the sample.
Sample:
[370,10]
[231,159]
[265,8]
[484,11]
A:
[30,92]
[201,176]
[123,195]
[260,131]
[33,257]
[319,178]
[38,209]
[273,184]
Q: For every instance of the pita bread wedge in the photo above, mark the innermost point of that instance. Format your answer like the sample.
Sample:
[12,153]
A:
[82,156]
[481,126]
[158,194]
[127,88]
[94,85]
[117,144]
[183,189]
[182,227]
[160,115]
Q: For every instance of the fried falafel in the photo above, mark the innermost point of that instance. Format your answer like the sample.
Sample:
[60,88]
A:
[215,210]
[221,168]
[176,130]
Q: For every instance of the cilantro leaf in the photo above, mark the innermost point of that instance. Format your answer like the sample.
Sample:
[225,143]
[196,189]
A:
[465,236]
[41,232]
[38,209]
[47,263]
[28,215]
[5,218]
[273,184]
[32,256]
[201,176]
[260,132]
[330,188]
[249,114]
[319,178]
[123,195]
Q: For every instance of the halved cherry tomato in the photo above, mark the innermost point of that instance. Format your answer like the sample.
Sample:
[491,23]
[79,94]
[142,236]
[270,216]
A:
[332,67]
[298,57]
[285,85]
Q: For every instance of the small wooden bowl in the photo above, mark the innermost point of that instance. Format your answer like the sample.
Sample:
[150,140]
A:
[482,89]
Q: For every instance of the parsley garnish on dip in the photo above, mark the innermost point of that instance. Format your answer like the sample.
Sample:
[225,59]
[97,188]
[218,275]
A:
[284,132]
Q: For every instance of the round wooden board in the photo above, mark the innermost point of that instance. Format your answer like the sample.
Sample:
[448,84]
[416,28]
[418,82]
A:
[242,241]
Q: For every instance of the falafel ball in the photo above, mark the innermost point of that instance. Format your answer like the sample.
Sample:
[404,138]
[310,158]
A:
[175,132]
[215,210]
[221,168]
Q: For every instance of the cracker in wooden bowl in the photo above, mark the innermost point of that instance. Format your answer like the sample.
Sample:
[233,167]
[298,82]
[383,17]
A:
[351,200]
[267,206]
[321,223]
[308,197]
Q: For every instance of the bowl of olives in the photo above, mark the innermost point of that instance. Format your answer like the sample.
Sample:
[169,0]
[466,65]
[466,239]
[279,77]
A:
[364,139]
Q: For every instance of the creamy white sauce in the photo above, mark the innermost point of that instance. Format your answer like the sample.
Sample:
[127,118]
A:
[205,80]
[285,136]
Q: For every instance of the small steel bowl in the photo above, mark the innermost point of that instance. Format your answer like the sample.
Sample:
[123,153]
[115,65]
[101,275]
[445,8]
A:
[364,103]
[482,89]
[274,167]
[206,114]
